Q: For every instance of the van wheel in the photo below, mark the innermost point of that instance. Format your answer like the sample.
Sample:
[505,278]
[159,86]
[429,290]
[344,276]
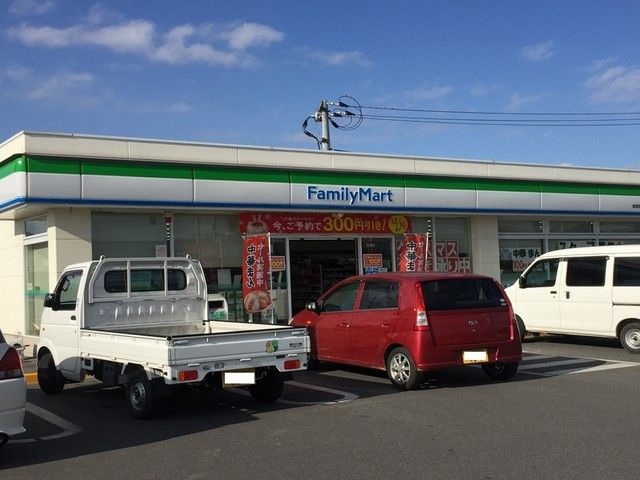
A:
[630,337]
[402,370]
[50,379]
[139,396]
[267,389]
[500,371]
[522,330]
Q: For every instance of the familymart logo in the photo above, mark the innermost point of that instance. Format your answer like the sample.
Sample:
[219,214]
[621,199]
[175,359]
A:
[351,195]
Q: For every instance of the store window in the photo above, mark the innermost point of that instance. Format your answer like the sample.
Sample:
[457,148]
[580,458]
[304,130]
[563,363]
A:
[515,257]
[128,235]
[35,226]
[452,245]
[560,244]
[216,242]
[507,225]
[376,255]
[620,227]
[570,227]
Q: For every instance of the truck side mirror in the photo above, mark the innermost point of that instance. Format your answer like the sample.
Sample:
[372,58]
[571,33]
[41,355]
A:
[50,301]
[522,282]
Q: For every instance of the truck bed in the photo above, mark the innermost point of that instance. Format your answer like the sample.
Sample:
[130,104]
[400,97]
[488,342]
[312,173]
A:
[178,329]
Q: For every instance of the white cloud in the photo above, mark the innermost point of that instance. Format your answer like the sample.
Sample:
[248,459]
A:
[31,7]
[429,93]
[180,45]
[614,84]
[517,101]
[352,57]
[252,35]
[60,85]
[538,52]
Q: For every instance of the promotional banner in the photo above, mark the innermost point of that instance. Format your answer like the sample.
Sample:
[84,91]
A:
[323,223]
[256,273]
[412,253]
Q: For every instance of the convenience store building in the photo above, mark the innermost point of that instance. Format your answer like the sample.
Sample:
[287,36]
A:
[70,198]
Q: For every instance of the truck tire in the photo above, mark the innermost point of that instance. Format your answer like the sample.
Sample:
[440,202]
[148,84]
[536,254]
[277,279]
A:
[500,371]
[140,398]
[269,388]
[522,330]
[50,379]
[630,337]
[402,370]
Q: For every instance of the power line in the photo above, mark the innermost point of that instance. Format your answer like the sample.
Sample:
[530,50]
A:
[480,112]
[495,122]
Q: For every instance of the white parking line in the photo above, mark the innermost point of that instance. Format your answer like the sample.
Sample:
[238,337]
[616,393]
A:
[68,428]
[346,396]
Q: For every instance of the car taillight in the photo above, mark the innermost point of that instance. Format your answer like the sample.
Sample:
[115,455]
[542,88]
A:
[291,364]
[422,322]
[513,324]
[10,366]
[187,375]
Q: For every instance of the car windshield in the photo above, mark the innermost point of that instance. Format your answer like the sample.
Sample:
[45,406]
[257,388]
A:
[454,294]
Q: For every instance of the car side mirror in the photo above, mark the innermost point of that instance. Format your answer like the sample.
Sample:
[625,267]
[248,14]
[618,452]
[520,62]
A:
[313,306]
[50,301]
[522,282]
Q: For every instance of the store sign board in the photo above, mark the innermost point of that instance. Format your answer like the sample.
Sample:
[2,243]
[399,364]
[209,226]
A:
[256,273]
[278,263]
[348,196]
[412,253]
[323,223]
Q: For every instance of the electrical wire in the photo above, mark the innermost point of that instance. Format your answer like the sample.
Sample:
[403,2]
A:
[480,112]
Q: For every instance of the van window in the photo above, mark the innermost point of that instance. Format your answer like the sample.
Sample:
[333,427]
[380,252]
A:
[378,295]
[462,293]
[626,272]
[542,274]
[341,300]
[586,272]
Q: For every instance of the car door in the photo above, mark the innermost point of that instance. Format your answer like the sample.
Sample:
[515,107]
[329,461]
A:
[585,300]
[536,300]
[332,328]
[373,322]
[63,323]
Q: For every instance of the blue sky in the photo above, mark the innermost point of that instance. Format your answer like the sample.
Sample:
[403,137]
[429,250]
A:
[250,72]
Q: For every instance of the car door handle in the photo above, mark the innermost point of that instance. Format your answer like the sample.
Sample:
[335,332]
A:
[553,292]
[385,325]
[73,317]
[344,324]
[567,294]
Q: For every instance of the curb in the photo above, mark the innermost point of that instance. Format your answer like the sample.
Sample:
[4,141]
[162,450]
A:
[31,378]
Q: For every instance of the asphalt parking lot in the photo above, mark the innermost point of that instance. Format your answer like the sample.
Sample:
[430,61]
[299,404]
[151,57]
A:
[567,414]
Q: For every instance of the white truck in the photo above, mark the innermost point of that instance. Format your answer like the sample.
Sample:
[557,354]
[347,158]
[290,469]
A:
[142,323]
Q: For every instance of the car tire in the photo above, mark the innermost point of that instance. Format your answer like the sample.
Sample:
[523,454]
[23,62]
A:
[50,379]
[630,337]
[139,395]
[268,388]
[500,371]
[402,370]
[522,330]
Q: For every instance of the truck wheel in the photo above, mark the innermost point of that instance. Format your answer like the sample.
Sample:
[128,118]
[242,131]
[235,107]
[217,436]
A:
[50,379]
[500,371]
[139,396]
[402,370]
[267,389]
[630,337]
[522,330]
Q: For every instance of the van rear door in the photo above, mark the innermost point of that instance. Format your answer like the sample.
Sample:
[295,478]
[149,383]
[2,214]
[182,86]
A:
[466,311]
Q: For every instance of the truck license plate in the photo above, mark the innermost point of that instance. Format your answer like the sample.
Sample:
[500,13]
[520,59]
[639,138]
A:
[474,356]
[238,377]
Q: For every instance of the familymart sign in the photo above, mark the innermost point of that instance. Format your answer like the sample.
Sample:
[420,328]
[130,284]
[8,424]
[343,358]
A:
[352,196]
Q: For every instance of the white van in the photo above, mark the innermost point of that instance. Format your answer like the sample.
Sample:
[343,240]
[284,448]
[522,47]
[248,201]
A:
[592,291]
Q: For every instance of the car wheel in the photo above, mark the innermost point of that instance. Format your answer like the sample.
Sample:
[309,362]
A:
[140,399]
[50,379]
[630,337]
[268,388]
[402,370]
[500,371]
[522,330]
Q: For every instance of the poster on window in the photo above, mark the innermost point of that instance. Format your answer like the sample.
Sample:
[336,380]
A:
[256,273]
[520,258]
[412,253]
[448,258]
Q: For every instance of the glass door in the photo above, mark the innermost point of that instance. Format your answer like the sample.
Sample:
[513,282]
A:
[37,284]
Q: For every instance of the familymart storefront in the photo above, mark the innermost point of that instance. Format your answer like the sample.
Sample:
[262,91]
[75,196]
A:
[328,215]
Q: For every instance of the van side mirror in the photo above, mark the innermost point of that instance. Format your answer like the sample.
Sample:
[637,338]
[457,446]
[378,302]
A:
[522,283]
[50,301]
[313,306]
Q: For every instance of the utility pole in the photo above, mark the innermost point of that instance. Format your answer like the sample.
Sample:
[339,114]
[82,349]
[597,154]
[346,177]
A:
[322,115]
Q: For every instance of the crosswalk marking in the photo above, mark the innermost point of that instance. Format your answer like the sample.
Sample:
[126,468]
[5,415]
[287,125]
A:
[554,365]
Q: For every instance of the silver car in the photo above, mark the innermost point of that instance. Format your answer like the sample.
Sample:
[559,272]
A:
[13,392]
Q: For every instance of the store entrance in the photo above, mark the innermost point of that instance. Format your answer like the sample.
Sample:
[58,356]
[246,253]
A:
[317,265]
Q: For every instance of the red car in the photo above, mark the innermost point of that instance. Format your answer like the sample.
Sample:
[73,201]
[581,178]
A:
[409,323]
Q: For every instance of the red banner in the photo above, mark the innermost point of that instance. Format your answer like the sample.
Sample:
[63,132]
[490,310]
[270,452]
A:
[255,273]
[412,253]
[323,223]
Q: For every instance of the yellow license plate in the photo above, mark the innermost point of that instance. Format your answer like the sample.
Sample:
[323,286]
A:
[475,356]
